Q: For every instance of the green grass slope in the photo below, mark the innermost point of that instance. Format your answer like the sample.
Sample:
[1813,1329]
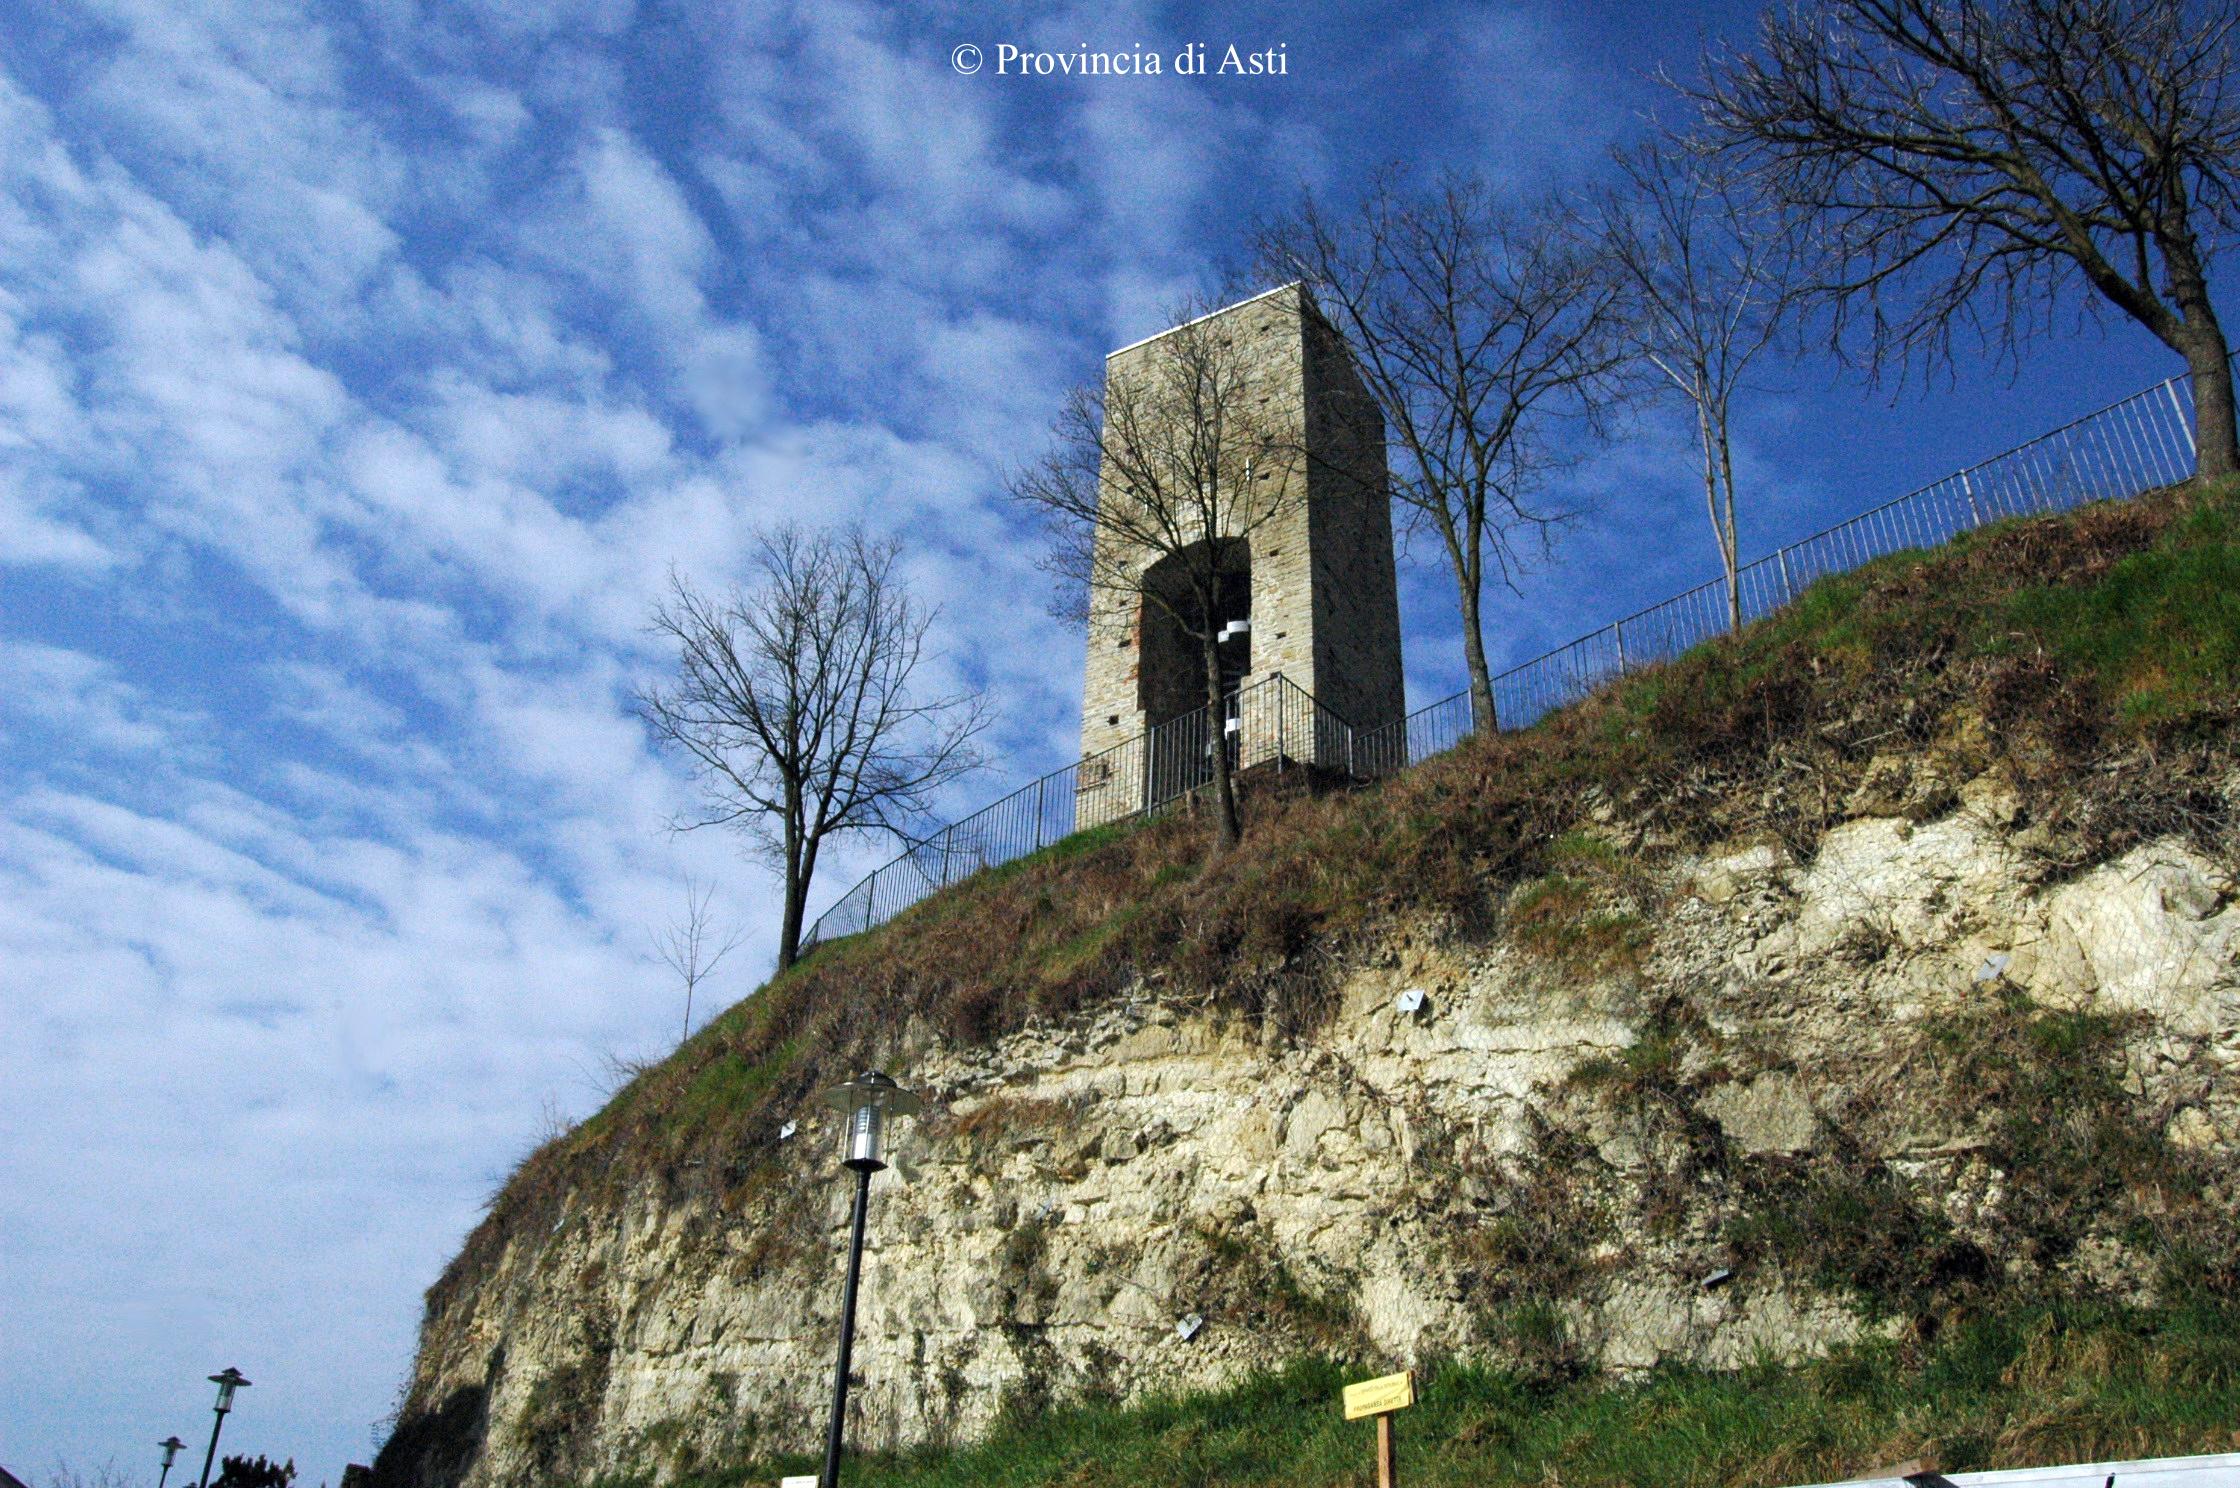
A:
[2046,1385]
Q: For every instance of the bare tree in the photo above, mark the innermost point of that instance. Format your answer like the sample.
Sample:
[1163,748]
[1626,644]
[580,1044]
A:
[690,947]
[107,1475]
[1475,328]
[1706,273]
[1155,480]
[1964,161]
[794,703]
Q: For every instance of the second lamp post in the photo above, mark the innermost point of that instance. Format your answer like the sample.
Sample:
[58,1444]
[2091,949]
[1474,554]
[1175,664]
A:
[868,1101]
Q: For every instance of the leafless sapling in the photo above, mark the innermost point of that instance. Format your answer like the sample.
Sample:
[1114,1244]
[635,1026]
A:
[1477,329]
[690,946]
[1706,272]
[796,702]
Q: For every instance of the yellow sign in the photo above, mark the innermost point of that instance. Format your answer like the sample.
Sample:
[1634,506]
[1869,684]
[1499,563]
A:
[1378,1396]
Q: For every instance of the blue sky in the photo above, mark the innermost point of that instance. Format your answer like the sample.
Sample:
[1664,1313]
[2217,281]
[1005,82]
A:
[364,369]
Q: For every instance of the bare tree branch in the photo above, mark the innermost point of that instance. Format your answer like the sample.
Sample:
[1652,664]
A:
[107,1475]
[794,706]
[1963,162]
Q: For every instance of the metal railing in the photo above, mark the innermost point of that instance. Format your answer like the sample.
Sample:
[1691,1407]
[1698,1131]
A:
[2138,444]
[1273,722]
[1432,729]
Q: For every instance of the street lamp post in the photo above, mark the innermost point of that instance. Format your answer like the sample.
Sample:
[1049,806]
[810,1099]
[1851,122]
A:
[228,1382]
[171,1446]
[868,1102]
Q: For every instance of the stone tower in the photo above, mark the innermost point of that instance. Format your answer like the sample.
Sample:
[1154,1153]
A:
[1316,580]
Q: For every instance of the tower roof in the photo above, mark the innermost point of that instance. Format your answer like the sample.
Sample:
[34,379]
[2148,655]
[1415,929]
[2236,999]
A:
[1210,314]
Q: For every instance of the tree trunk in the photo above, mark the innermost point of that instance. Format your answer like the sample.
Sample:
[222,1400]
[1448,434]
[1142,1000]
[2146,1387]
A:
[2216,437]
[1712,441]
[789,931]
[1482,717]
[797,896]
[1225,831]
[1730,546]
[2216,442]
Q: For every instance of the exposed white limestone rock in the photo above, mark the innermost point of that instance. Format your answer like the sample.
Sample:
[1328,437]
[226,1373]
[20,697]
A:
[1079,1189]
[1772,1113]
[2155,932]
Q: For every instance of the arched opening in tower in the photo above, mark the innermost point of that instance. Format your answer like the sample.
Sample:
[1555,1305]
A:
[1171,676]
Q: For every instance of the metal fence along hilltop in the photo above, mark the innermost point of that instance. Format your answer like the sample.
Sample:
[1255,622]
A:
[2140,444]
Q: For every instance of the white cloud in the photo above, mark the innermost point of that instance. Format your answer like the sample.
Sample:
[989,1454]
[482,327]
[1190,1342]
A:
[30,537]
[76,701]
[240,108]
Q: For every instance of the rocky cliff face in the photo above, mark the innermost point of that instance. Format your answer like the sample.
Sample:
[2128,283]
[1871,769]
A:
[1700,1106]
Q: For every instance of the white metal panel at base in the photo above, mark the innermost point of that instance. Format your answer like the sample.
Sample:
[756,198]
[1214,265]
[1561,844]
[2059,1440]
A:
[2221,1471]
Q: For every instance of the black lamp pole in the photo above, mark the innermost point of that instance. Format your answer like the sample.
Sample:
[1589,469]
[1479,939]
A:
[227,1383]
[834,1429]
[868,1100]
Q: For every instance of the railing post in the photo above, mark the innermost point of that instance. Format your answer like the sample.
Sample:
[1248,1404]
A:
[2185,425]
[1039,787]
[1618,628]
[1975,512]
[1788,588]
[1142,771]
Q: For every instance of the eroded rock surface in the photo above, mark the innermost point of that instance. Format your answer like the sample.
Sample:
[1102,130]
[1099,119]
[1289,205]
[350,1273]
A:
[1583,1153]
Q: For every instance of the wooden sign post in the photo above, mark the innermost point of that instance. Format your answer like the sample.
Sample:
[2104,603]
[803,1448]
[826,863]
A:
[1380,1397]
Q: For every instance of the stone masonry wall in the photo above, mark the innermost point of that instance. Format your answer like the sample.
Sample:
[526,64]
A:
[1356,671]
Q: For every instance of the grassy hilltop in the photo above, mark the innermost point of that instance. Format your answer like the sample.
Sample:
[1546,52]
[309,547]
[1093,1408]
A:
[2045,643]
[2093,659]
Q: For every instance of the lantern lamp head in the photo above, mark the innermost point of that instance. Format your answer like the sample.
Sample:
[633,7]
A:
[171,1446]
[228,1382]
[867,1101]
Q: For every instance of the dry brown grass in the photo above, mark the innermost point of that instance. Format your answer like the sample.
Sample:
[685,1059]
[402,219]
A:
[1001,1118]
